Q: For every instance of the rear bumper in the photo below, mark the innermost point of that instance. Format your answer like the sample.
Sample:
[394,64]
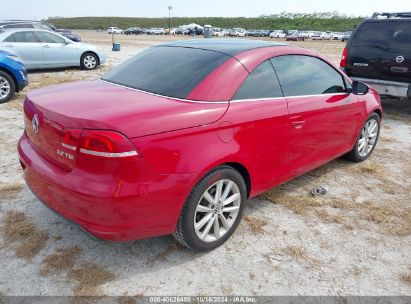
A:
[390,88]
[137,205]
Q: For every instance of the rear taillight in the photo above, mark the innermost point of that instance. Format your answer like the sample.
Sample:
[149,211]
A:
[106,144]
[71,139]
[98,143]
[343,61]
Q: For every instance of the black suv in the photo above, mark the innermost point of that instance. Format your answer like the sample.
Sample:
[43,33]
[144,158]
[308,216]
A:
[379,53]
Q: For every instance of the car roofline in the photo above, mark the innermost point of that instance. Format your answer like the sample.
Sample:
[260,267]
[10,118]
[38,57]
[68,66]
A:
[201,44]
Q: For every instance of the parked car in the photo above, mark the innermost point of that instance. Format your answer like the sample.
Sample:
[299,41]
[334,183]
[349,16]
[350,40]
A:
[40,49]
[379,53]
[133,31]
[170,149]
[218,32]
[346,36]
[317,36]
[13,24]
[294,36]
[277,34]
[337,36]
[250,33]
[114,30]
[304,34]
[237,32]
[158,31]
[327,35]
[13,75]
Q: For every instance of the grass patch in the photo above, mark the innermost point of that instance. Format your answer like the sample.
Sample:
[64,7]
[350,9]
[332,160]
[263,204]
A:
[406,278]
[256,225]
[395,220]
[18,229]
[299,205]
[89,277]
[60,261]
[9,191]
[294,252]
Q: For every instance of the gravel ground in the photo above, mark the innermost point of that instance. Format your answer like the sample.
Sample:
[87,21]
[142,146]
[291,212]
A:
[354,241]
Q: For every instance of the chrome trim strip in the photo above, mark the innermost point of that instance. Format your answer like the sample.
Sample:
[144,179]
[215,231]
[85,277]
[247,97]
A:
[70,147]
[383,82]
[168,97]
[108,154]
[288,97]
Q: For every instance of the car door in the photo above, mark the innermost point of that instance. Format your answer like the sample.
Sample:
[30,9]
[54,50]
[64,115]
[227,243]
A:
[26,45]
[58,52]
[259,113]
[323,115]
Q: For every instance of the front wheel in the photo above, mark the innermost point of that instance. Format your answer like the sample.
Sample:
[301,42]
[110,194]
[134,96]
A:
[366,140]
[89,61]
[7,87]
[213,210]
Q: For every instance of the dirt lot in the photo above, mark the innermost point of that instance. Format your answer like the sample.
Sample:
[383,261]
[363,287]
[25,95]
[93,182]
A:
[354,241]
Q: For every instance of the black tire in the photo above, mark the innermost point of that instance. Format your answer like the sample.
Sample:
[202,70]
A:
[6,79]
[89,61]
[185,232]
[354,154]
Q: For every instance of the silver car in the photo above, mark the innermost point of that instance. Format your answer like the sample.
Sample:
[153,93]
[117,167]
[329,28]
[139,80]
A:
[41,49]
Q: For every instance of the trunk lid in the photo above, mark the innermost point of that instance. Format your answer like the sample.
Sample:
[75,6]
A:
[102,105]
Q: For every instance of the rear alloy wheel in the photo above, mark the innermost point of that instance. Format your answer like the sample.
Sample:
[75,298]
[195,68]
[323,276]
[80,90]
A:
[89,61]
[367,139]
[7,87]
[213,210]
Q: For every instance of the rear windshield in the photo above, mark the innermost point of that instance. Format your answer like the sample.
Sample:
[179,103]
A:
[391,35]
[168,71]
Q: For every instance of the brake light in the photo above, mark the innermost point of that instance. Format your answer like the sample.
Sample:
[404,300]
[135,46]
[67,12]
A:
[98,143]
[106,144]
[343,61]
[71,138]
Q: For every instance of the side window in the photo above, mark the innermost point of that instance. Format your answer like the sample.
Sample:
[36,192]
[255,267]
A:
[24,37]
[305,75]
[401,37]
[9,39]
[49,38]
[261,83]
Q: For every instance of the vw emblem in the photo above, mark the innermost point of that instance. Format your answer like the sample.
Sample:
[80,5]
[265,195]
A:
[35,123]
[399,59]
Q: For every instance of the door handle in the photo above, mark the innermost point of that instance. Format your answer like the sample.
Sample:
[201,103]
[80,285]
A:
[298,124]
[10,46]
[297,121]
[46,46]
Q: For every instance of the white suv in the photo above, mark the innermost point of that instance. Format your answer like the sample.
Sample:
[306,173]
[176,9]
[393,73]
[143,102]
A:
[114,30]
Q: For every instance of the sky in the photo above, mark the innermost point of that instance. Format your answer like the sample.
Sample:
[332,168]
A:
[30,9]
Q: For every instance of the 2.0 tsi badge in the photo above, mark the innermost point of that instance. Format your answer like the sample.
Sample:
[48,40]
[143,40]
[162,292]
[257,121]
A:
[35,123]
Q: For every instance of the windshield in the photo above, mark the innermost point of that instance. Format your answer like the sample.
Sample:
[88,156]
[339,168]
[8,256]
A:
[392,35]
[165,70]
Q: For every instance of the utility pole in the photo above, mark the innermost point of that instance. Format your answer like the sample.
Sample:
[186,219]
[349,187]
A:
[169,18]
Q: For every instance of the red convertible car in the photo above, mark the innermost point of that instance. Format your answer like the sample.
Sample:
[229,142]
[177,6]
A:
[176,139]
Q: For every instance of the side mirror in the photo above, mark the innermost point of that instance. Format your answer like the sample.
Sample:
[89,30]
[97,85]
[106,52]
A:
[359,88]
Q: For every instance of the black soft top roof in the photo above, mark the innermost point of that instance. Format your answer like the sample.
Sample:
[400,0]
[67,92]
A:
[230,47]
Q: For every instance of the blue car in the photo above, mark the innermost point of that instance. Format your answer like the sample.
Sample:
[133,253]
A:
[13,75]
